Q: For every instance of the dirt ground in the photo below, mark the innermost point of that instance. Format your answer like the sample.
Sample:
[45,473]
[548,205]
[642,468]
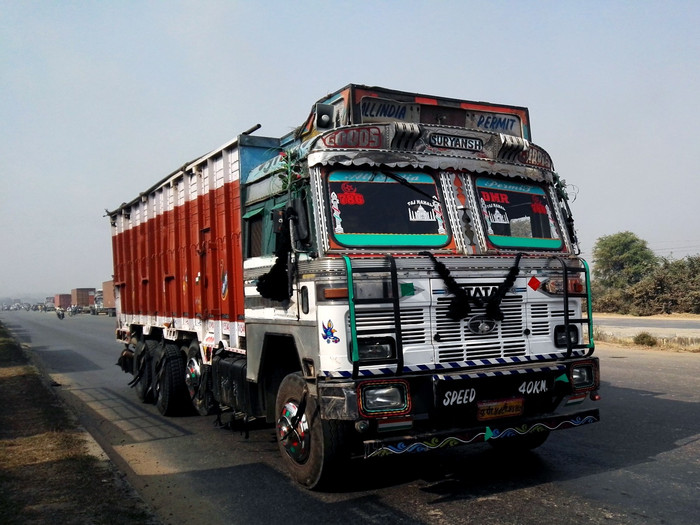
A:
[50,470]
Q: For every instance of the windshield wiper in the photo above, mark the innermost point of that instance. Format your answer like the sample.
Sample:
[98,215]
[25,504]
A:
[404,182]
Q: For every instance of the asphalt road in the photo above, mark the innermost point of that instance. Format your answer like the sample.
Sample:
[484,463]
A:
[639,465]
[642,323]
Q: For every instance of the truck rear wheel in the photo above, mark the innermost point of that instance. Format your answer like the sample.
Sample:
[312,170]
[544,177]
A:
[143,354]
[311,447]
[170,388]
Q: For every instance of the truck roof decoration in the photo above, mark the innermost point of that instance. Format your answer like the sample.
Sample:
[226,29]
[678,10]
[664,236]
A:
[397,129]
[358,104]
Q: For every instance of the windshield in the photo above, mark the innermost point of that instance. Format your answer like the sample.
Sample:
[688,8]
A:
[517,215]
[369,208]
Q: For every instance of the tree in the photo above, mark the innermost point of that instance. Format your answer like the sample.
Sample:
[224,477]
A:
[630,279]
[674,286]
[621,260]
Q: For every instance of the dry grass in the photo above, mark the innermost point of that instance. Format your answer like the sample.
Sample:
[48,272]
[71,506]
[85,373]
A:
[642,340]
[670,343]
[47,474]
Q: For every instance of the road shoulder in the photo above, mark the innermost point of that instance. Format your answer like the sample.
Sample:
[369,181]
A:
[51,470]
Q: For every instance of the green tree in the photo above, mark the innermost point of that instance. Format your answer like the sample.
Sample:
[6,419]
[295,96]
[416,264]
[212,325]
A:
[629,279]
[674,286]
[621,260]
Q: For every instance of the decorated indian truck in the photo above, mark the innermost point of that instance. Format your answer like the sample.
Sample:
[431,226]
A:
[398,274]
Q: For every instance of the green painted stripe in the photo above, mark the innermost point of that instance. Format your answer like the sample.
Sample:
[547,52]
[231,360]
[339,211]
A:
[351,306]
[391,239]
[504,241]
[589,304]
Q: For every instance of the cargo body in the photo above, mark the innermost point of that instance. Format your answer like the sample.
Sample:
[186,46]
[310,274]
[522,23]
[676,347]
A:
[399,274]
[82,297]
[105,301]
[62,300]
[109,304]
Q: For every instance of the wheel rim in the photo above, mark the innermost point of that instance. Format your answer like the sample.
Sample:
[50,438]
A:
[193,377]
[296,439]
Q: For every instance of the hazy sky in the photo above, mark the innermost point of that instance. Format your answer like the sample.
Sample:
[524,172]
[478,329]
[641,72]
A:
[101,99]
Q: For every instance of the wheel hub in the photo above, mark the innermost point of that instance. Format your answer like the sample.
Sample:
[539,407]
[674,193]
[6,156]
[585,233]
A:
[294,438]
[193,377]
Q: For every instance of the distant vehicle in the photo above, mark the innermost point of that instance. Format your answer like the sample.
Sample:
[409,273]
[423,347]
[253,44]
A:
[83,298]
[62,300]
[105,302]
[109,303]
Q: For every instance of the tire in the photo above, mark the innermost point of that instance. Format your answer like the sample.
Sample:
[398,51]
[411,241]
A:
[170,389]
[143,354]
[520,443]
[313,449]
[198,381]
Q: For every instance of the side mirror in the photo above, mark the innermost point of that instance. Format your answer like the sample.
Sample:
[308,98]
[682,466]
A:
[301,221]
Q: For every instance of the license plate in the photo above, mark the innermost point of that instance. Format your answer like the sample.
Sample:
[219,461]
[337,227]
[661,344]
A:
[497,409]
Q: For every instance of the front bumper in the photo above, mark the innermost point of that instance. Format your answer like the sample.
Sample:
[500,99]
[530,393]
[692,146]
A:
[421,442]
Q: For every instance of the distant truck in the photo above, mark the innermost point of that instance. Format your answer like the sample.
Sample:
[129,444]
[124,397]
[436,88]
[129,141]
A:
[108,306]
[398,274]
[83,297]
[62,300]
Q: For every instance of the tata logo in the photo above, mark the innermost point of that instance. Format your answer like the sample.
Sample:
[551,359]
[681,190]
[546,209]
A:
[480,291]
[481,325]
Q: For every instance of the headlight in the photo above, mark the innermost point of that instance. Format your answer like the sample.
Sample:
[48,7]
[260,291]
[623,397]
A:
[562,336]
[383,397]
[376,349]
[583,376]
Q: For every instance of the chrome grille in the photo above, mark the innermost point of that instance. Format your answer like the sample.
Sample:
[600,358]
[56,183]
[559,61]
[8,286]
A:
[560,313]
[454,341]
[539,319]
[414,329]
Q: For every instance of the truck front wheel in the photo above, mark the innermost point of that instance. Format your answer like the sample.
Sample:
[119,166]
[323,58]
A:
[311,448]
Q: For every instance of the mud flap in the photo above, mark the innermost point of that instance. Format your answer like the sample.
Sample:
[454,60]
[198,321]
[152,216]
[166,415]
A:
[126,361]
